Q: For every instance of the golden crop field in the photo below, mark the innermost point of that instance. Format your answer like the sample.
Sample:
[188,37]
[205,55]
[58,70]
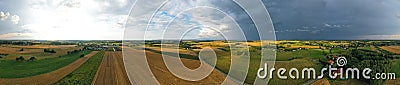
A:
[394,49]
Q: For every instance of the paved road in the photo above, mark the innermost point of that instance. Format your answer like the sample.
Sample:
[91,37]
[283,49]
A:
[152,70]
[111,70]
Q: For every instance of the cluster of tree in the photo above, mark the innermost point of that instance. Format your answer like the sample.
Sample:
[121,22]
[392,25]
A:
[150,42]
[17,42]
[22,58]
[4,54]
[32,59]
[62,43]
[386,43]
[49,51]
[73,52]
[22,49]
[184,45]
[117,49]
[375,60]
[82,55]
[377,66]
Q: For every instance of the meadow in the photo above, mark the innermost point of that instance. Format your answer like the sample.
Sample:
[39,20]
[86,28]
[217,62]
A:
[85,73]
[306,54]
[284,59]
[396,68]
[20,69]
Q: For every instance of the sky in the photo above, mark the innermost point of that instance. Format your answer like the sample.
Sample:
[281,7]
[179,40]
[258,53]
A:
[220,19]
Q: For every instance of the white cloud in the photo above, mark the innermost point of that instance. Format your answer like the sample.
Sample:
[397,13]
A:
[122,3]
[7,16]
[207,21]
[327,25]
[14,19]
[75,20]
[4,16]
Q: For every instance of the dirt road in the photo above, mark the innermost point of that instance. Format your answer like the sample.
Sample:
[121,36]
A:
[150,69]
[48,78]
[111,70]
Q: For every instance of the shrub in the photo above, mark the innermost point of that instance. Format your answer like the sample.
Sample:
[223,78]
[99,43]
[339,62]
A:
[49,51]
[32,58]
[20,58]
[83,55]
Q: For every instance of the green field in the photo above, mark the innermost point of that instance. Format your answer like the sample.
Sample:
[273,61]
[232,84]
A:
[359,54]
[20,69]
[396,68]
[297,59]
[285,59]
[296,63]
[85,73]
[290,55]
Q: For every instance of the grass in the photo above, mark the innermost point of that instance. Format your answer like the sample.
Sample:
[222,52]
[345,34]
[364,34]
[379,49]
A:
[292,58]
[296,59]
[85,73]
[287,56]
[297,63]
[15,69]
[348,82]
[396,69]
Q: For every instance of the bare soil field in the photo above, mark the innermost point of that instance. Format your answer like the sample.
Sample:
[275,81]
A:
[155,71]
[12,50]
[35,51]
[394,49]
[172,50]
[393,82]
[111,70]
[165,77]
[323,81]
[48,78]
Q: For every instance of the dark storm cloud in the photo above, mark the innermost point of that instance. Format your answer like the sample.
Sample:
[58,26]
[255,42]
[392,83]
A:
[323,19]
[333,19]
[240,17]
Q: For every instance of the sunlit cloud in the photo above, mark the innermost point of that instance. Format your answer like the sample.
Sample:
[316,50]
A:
[75,19]
[6,16]
[178,17]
